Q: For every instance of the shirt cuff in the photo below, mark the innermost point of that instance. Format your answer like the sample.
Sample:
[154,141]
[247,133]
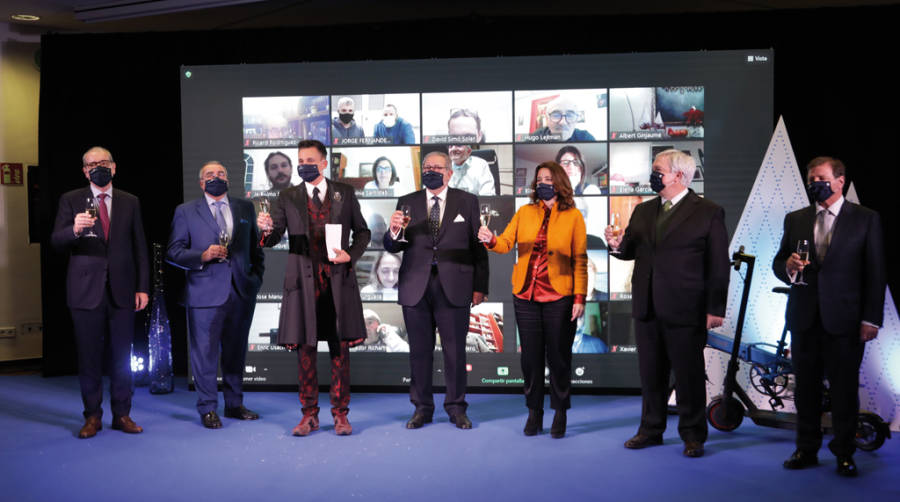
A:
[579,299]
[867,323]
[492,243]
[394,235]
[792,277]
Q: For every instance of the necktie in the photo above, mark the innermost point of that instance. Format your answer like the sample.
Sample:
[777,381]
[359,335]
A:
[662,217]
[316,200]
[434,219]
[666,206]
[822,234]
[220,217]
[104,215]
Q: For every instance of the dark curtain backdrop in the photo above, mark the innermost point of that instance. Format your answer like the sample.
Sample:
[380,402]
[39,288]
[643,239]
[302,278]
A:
[832,85]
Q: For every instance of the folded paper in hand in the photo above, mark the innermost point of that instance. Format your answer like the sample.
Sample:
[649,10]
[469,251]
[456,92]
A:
[332,238]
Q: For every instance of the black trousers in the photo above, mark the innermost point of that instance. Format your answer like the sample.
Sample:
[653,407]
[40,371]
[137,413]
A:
[662,349]
[93,329]
[435,310]
[817,354]
[546,333]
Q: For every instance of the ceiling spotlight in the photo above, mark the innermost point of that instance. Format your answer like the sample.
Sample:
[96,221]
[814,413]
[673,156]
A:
[24,17]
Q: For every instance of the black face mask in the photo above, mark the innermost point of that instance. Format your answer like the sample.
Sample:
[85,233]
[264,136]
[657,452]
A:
[216,187]
[820,191]
[308,172]
[101,176]
[346,117]
[656,182]
[432,179]
[545,191]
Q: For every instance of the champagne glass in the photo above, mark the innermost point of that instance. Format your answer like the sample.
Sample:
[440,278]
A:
[90,207]
[224,240]
[486,213]
[803,251]
[615,221]
[264,208]
[405,211]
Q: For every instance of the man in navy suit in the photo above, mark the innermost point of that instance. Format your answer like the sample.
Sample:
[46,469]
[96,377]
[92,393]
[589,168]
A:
[838,309]
[220,293]
[444,272]
[107,282]
[679,245]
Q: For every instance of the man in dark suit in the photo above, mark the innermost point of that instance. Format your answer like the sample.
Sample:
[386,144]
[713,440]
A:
[679,287]
[321,296]
[836,311]
[223,276]
[107,282]
[444,272]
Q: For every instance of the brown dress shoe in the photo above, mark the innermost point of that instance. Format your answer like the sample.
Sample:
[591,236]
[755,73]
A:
[342,426]
[693,449]
[90,427]
[307,424]
[126,424]
[642,441]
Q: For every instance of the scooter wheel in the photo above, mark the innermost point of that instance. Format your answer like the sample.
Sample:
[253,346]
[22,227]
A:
[870,433]
[725,415]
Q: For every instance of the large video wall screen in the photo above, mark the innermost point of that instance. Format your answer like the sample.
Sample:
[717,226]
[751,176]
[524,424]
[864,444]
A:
[603,117]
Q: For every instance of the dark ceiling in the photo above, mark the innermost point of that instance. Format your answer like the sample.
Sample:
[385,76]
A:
[176,15]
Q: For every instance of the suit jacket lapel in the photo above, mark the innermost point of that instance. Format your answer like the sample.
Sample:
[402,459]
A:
[235,219]
[839,226]
[451,209]
[682,212]
[206,215]
[300,199]
[657,204]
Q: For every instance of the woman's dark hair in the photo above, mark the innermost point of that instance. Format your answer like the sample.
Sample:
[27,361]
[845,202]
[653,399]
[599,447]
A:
[394,177]
[561,183]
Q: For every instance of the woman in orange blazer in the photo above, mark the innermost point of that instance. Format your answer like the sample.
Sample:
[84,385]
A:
[549,283]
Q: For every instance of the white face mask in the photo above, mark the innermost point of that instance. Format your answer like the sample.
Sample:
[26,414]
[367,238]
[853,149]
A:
[389,121]
[574,180]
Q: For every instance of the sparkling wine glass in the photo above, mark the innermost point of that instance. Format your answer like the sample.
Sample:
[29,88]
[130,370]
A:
[264,208]
[405,211]
[90,207]
[224,241]
[803,251]
[486,214]
[615,221]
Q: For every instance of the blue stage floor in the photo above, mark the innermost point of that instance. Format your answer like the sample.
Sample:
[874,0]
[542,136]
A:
[177,459]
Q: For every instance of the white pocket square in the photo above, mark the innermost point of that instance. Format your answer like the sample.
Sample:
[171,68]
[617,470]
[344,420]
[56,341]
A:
[459,219]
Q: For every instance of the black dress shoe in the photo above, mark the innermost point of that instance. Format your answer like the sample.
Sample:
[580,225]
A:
[642,441]
[535,422]
[558,429]
[211,420]
[693,449]
[418,420]
[801,459]
[461,421]
[241,413]
[847,467]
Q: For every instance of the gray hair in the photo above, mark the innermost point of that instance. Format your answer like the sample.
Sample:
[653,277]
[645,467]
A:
[437,153]
[346,100]
[97,149]
[680,163]
[208,162]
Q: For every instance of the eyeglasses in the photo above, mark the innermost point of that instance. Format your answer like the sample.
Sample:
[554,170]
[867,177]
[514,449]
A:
[92,165]
[430,167]
[570,162]
[211,174]
[570,115]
